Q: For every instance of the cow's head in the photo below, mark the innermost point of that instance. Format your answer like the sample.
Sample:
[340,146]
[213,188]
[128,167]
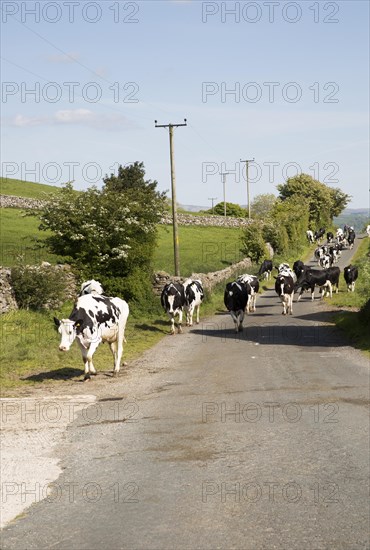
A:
[68,330]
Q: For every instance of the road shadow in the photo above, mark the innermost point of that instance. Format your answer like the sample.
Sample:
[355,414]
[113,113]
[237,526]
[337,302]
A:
[152,328]
[319,316]
[289,334]
[65,373]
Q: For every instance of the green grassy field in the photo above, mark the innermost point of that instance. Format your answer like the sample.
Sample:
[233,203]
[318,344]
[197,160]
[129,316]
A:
[27,189]
[356,299]
[18,236]
[202,249]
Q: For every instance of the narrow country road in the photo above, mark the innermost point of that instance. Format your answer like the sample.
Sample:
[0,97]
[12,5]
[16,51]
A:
[215,440]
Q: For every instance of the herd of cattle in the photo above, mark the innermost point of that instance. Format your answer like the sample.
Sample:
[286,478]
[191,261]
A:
[97,318]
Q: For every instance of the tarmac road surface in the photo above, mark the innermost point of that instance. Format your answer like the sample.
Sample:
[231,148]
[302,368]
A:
[215,440]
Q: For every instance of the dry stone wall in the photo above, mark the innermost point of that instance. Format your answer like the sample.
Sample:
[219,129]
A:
[214,221]
[7,298]
[209,280]
[10,201]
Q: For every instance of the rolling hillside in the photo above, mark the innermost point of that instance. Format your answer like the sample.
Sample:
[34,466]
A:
[27,189]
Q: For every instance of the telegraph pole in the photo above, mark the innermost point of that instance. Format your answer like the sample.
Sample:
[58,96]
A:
[223,175]
[212,199]
[247,177]
[173,193]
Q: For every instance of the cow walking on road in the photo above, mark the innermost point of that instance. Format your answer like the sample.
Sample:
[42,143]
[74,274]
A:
[284,288]
[173,302]
[265,269]
[194,295]
[310,278]
[350,274]
[252,286]
[95,319]
[235,300]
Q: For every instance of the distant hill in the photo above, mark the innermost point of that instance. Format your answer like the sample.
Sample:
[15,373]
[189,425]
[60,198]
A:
[28,189]
[355,217]
[193,208]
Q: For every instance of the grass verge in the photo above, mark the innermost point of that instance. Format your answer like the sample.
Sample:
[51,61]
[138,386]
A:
[351,302]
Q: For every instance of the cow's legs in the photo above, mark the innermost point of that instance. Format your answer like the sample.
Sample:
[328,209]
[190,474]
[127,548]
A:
[113,348]
[197,308]
[172,319]
[291,304]
[118,351]
[87,355]
[240,321]
[254,301]
[189,315]
[180,322]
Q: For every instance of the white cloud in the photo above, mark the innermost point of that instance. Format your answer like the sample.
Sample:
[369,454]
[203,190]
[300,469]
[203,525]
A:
[81,117]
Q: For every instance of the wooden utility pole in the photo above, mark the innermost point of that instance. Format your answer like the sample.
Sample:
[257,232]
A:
[173,193]
[223,175]
[212,199]
[247,178]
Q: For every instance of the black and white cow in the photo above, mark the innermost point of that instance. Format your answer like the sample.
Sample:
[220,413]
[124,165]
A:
[235,300]
[265,269]
[297,267]
[310,236]
[326,261]
[173,301]
[333,276]
[350,274]
[194,295]
[252,285]
[318,235]
[335,253]
[329,236]
[368,230]
[95,319]
[284,269]
[310,278]
[91,287]
[351,238]
[284,288]
[320,252]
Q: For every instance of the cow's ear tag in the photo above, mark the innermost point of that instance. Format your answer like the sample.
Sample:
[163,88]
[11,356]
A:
[77,325]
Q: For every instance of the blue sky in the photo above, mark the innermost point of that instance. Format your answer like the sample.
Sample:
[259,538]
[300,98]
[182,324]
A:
[285,83]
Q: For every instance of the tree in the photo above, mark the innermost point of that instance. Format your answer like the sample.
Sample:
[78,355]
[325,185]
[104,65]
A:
[339,201]
[109,234]
[290,219]
[262,205]
[323,202]
[232,209]
[253,244]
[129,177]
